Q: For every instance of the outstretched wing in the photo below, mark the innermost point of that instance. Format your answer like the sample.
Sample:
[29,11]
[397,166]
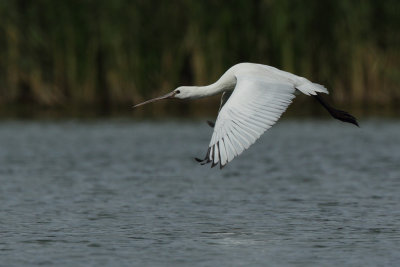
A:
[254,106]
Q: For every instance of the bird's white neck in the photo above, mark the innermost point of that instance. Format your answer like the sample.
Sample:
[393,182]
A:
[208,90]
[195,92]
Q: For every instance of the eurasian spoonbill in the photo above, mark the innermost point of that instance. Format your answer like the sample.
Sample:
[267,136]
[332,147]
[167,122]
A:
[254,96]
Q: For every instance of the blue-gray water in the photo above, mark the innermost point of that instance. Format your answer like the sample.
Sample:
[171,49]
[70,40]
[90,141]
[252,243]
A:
[123,193]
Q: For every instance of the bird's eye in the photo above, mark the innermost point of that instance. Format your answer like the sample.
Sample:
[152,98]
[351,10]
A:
[177,92]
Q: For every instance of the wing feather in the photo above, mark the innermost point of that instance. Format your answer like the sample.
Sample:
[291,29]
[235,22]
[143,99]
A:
[216,154]
[239,134]
[234,146]
[222,152]
[229,147]
[238,146]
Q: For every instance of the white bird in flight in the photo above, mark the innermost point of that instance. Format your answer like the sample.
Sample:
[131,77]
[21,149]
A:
[254,96]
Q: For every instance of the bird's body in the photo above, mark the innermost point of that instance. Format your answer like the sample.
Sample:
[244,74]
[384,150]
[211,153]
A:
[254,96]
[227,82]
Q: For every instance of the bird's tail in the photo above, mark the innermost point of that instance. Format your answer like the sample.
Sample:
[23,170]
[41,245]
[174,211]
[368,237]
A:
[309,88]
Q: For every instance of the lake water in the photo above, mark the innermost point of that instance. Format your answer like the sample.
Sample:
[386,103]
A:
[128,193]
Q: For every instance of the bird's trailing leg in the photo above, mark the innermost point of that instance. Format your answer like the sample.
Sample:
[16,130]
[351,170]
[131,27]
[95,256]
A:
[337,114]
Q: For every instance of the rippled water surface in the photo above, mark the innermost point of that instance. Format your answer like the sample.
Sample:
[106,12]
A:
[123,193]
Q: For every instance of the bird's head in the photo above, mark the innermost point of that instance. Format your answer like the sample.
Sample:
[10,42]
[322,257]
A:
[182,92]
[186,92]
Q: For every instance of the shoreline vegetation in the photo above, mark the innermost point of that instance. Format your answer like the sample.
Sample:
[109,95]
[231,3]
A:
[99,57]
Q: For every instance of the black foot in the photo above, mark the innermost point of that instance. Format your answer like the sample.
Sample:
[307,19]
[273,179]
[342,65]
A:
[344,116]
[337,114]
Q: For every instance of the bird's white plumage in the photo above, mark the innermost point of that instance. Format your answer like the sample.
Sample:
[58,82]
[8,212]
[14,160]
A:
[255,105]
[254,96]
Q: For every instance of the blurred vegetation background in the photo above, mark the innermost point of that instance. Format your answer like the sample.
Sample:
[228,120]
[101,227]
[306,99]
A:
[102,56]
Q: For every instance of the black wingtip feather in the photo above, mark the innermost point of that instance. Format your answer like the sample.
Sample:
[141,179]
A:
[206,158]
[199,160]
